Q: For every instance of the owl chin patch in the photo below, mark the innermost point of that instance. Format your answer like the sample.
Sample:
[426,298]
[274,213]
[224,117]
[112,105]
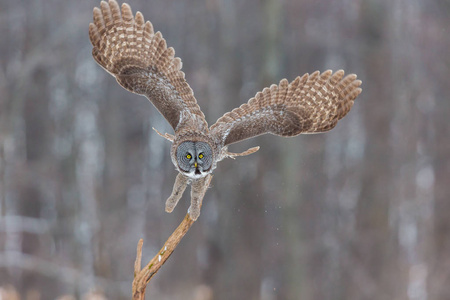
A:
[195,175]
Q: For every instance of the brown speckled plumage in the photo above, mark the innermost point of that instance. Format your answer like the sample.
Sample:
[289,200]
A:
[129,49]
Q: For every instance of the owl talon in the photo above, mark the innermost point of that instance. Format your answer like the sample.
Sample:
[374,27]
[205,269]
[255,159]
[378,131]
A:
[194,213]
[180,185]
[198,190]
[169,205]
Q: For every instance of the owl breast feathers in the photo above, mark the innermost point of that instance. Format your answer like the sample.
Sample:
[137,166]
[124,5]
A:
[128,48]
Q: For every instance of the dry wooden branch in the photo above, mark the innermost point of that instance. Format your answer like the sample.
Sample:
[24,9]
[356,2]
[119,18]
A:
[143,277]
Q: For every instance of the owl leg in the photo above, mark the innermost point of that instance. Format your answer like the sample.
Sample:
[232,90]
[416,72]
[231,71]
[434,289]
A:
[198,191]
[178,189]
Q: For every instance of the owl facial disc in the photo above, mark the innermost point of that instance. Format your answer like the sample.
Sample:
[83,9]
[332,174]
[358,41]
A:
[194,159]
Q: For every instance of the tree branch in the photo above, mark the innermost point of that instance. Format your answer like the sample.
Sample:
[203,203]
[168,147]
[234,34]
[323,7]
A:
[143,277]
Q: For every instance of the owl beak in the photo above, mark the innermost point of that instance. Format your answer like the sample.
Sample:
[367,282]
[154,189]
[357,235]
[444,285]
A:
[197,171]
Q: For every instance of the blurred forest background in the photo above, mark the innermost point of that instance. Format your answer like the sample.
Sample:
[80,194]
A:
[361,212]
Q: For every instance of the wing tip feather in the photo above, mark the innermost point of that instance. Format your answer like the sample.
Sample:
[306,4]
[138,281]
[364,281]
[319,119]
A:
[139,18]
[283,82]
[97,15]
[148,27]
[127,13]
[94,35]
[350,77]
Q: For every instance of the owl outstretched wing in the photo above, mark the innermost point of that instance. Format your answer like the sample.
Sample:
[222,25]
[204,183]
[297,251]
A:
[309,104]
[129,49]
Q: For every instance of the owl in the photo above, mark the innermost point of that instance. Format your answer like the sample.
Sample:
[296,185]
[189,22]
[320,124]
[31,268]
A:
[128,48]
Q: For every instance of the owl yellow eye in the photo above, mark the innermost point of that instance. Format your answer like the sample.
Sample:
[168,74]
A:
[188,156]
[200,155]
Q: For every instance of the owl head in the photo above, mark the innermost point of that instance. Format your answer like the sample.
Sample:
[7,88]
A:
[193,157]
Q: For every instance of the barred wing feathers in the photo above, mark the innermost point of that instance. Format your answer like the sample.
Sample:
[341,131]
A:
[128,49]
[309,104]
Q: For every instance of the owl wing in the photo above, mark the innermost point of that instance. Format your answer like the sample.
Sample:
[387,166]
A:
[139,59]
[309,104]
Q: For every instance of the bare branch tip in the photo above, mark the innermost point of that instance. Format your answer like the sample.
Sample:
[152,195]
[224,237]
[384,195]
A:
[137,263]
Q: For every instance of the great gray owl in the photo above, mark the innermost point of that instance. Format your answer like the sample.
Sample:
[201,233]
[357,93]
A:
[129,49]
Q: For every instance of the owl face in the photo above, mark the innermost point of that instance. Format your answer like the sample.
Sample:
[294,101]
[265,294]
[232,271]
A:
[194,159]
